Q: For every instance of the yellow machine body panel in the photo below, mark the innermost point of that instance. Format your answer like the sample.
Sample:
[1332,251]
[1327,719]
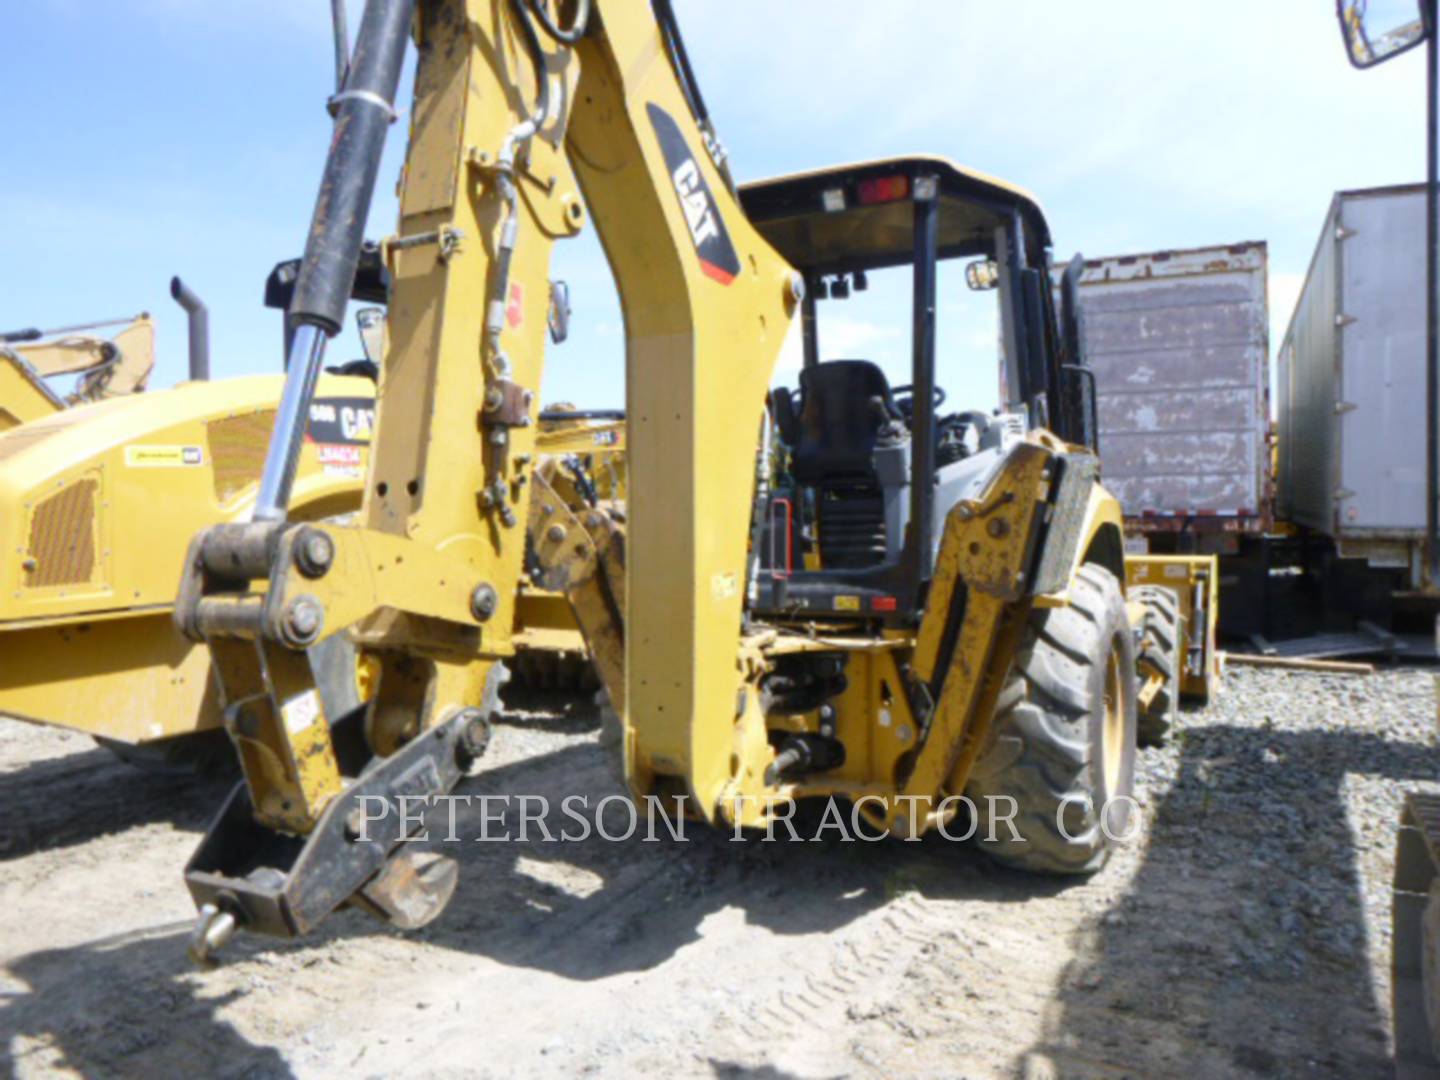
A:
[1195,580]
[23,393]
[103,500]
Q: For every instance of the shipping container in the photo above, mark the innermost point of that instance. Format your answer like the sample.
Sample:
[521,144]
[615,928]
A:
[1179,343]
[1351,382]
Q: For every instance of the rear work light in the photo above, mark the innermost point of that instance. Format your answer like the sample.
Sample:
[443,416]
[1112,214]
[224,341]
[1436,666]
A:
[882,189]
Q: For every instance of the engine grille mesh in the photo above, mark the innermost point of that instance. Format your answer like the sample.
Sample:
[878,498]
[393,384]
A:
[237,450]
[62,537]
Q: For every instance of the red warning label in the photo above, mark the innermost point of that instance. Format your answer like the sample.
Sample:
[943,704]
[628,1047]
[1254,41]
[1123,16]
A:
[515,309]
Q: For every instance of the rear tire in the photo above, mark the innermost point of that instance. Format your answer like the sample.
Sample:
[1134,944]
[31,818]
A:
[1162,644]
[1061,748]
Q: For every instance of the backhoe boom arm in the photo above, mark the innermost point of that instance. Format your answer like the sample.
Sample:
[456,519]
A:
[507,117]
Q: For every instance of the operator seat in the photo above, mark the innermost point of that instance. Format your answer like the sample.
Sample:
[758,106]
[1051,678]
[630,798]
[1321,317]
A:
[846,411]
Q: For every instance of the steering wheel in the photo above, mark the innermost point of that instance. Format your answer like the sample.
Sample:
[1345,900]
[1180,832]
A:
[907,391]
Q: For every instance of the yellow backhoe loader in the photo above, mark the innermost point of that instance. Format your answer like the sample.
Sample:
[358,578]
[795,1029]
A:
[844,591]
[101,490]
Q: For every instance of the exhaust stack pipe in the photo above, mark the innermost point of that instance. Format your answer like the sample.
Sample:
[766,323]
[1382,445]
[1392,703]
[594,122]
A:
[199,316]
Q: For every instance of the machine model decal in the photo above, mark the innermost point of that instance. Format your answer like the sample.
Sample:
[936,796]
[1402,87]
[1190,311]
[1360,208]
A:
[342,421]
[163,457]
[707,228]
[340,460]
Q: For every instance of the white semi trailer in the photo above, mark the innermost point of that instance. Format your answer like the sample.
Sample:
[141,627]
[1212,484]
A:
[1351,384]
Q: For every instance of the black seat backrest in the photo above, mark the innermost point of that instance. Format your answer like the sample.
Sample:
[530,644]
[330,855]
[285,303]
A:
[844,404]
[782,408]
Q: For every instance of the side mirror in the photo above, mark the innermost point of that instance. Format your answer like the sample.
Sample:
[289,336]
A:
[370,322]
[558,317]
[1376,30]
[982,274]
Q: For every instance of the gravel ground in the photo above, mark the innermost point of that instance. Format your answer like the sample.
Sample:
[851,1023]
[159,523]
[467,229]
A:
[1245,932]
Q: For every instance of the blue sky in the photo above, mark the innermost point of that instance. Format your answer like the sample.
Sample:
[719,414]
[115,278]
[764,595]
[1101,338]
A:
[153,137]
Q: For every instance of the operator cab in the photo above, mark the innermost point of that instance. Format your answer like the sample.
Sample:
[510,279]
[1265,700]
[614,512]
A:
[847,529]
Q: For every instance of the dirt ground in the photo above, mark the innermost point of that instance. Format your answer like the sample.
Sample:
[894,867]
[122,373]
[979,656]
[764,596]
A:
[1243,934]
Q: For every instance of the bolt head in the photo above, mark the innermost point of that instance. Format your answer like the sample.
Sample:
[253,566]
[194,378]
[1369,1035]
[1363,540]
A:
[483,601]
[303,620]
[555,533]
[474,734]
[314,553]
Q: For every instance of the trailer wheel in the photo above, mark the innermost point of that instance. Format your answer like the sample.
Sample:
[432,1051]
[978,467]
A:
[1161,656]
[1058,765]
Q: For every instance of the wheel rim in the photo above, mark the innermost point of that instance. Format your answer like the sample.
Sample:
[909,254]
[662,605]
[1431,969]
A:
[1113,732]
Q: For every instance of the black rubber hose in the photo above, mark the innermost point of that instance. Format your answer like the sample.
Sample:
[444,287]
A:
[671,27]
[690,89]
[363,114]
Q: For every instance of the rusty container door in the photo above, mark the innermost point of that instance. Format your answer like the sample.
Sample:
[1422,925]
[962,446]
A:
[1179,342]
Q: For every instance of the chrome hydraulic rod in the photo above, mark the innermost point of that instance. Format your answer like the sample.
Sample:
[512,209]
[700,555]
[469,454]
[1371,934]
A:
[307,353]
